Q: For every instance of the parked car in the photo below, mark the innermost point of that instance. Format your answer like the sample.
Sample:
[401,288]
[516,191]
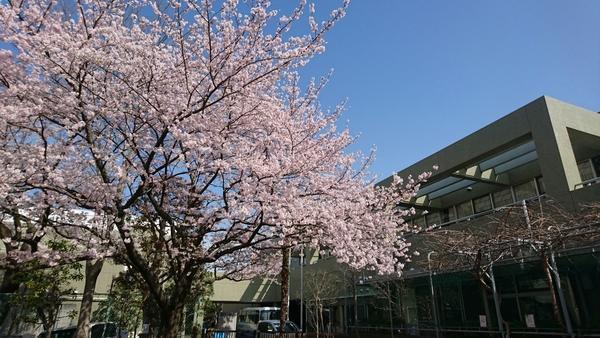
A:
[97,330]
[272,326]
[248,319]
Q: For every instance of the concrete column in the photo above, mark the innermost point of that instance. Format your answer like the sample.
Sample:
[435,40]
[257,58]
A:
[555,152]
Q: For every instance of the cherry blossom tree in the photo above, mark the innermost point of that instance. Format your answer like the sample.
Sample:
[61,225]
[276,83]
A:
[175,136]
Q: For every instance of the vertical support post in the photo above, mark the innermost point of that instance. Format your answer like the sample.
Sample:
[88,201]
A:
[433,304]
[389,296]
[561,297]
[526,214]
[346,331]
[302,288]
[289,283]
[527,220]
[355,299]
[496,301]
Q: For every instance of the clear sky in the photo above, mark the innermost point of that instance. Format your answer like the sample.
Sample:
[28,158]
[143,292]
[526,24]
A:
[421,74]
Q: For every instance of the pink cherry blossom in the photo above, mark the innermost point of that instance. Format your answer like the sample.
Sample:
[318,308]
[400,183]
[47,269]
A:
[179,139]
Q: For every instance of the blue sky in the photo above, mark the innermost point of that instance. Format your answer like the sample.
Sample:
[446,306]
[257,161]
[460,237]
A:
[420,75]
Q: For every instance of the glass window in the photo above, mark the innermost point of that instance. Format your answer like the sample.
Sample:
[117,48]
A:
[596,164]
[502,198]
[540,184]
[586,171]
[269,314]
[525,190]
[433,218]
[419,221]
[264,327]
[252,318]
[451,311]
[103,330]
[363,313]
[464,209]
[448,215]
[291,327]
[483,203]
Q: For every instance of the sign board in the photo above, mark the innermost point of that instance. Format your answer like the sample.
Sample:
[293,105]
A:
[482,321]
[227,321]
[530,320]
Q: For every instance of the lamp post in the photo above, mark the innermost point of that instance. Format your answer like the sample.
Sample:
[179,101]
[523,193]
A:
[302,288]
[433,304]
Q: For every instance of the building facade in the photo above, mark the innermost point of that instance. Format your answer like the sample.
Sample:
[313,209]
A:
[544,154]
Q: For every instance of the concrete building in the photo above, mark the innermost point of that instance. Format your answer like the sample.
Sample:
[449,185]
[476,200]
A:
[545,149]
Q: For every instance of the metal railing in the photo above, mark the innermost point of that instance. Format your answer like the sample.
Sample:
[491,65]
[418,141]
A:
[234,334]
[282,335]
[587,183]
[475,216]
[219,334]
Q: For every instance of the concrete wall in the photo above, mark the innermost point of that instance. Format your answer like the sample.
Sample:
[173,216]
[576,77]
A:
[258,290]
[545,120]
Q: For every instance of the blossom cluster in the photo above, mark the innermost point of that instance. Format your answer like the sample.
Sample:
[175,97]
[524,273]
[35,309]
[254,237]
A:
[177,135]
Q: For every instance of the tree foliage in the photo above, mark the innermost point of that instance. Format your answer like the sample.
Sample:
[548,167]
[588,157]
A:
[175,137]
[43,291]
[122,306]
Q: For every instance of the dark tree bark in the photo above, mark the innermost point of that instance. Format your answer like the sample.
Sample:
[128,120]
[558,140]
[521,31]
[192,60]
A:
[170,322]
[149,316]
[8,284]
[92,270]
[171,308]
[48,319]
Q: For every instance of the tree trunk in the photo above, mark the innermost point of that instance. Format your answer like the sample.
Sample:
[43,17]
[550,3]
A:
[170,322]
[149,316]
[321,318]
[285,278]
[92,270]
[172,309]
[318,317]
[8,284]
[555,305]
[10,319]
[47,323]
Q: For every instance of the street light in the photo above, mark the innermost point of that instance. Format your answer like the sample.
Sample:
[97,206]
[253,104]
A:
[302,288]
